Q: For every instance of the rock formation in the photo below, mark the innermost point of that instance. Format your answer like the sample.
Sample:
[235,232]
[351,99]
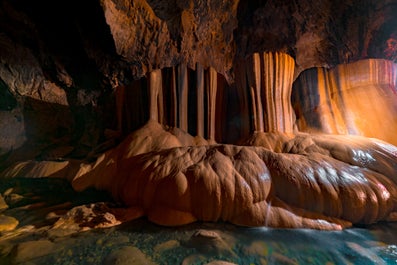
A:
[358,98]
[183,111]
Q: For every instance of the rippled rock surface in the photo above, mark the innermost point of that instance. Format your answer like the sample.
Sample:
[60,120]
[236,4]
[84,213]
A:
[39,239]
[313,181]
[323,182]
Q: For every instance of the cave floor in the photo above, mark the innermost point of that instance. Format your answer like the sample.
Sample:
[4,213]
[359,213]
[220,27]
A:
[38,238]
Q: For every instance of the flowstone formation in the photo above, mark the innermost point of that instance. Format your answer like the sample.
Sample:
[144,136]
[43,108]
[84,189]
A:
[277,176]
[316,182]
[358,98]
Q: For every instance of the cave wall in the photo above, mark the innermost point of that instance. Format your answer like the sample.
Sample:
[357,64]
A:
[69,68]
[357,98]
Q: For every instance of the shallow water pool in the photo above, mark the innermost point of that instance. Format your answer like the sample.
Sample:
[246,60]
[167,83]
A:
[37,203]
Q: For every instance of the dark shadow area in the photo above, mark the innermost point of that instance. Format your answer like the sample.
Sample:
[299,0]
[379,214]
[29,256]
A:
[7,100]
[306,86]
[30,200]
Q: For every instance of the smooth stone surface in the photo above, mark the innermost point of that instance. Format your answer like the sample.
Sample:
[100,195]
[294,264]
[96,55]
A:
[128,255]
[7,223]
[166,246]
[28,250]
[220,262]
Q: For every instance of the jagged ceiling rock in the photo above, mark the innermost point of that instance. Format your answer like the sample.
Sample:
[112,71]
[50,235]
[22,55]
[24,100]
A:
[155,34]
[121,40]
[317,33]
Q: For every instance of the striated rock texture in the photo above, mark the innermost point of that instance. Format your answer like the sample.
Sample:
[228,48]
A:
[267,79]
[358,98]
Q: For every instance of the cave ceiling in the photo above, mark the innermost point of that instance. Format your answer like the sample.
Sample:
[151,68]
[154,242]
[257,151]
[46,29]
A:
[99,44]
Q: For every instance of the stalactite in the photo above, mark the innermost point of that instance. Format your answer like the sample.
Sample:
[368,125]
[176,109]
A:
[200,99]
[254,83]
[156,96]
[182,86]
[211,91]
[174,178]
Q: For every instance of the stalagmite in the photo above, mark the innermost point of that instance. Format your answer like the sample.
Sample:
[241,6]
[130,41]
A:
[358,98]
[318,182]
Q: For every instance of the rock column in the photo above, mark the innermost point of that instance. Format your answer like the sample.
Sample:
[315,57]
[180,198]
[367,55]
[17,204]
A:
[358,98]
[269,80]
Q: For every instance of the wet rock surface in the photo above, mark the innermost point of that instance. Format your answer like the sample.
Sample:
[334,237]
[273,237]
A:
[7,223]
[74,224]
[127,255]
[35,240]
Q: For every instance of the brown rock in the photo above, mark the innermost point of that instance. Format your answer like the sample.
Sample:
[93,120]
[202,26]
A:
[356,99]
[3,204]
[28,250]
[80,218]
[210,242]
[7,223]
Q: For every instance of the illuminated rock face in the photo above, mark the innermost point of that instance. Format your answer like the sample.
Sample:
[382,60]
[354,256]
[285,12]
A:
[277,177]
[358,98]
[284,179]
[200,101]
[320,182]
